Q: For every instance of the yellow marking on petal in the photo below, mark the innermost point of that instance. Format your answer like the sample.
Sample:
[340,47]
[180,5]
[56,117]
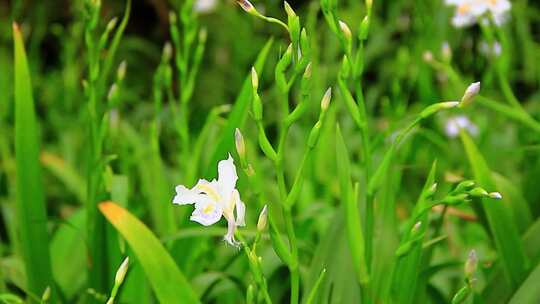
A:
[463,8]
[208,208]
[210,191]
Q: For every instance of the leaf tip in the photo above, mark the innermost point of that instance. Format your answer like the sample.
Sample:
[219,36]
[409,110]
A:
[111,210]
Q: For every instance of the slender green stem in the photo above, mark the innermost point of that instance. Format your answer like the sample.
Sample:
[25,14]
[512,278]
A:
[293,267]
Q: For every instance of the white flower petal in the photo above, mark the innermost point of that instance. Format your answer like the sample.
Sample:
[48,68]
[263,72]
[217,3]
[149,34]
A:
[229,237]
[207,212]
[185,196]
[227,177]
[240,210]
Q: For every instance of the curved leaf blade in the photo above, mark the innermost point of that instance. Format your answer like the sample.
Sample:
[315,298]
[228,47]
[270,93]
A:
[167,281]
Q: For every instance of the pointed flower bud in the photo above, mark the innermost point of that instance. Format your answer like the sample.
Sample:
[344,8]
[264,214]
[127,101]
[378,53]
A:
[288,9]
[113,91]
[263,219]
[121,72]
[470,93]
[432,189]
[167,51]
[121,272]
[247,6]
[307,72]
[464,186]
[345,29]
[254,79]
[46,296]
[325,102]
[471,264]
[478,192]
[239,142]
[416,227]
[111,24]
[364,28]
[495,195]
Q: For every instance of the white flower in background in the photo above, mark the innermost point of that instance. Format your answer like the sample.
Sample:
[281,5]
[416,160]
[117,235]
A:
[455,123]
[499,10]
[215,199]
[493,50]
[468,12]
[204,6]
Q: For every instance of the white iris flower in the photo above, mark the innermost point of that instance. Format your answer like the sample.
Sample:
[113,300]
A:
[214,199]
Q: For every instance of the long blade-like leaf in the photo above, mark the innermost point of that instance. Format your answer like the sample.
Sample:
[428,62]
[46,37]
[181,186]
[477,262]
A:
[237,116]
[166,279]
[31,214]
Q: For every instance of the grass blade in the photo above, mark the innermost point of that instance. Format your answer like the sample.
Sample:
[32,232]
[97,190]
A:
[352,214]
[31,211]
[237,116]
[528,292]
[168,282]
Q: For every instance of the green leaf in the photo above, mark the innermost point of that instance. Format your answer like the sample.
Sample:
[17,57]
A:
[68,244]
[501,225]
[31,211]
[166,279]
[237,116]
[528,292]
[352,214]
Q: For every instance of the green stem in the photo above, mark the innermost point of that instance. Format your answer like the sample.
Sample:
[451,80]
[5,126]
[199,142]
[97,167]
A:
[293,266]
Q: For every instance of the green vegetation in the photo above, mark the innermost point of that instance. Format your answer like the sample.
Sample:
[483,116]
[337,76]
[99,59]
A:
[199,151]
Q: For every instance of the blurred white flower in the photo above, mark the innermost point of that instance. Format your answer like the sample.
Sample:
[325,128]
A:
[499,9]
[493,50]
[468,12]
[455,123]
[215,199]
[204,6]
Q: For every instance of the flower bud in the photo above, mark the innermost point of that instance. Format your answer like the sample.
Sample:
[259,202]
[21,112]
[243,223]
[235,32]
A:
[167,51]
[470,93]
[46,296]
[478,192]
[247,6]
[121,272]
[263,219]
[416,228]
[495,195]
[364,28]
[254,79]
[121,72]
[307,71]
[345,30]
[239,142]
[111,24]
[432,189]
[325,102]
[113,91]
[464,186]
[471,264]
[288,9]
